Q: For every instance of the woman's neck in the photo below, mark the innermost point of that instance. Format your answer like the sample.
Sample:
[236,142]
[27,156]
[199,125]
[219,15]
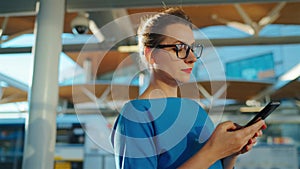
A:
[160,88]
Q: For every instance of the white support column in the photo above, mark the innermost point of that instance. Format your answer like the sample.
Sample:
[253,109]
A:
[87,66]
[1,92]
[43,95]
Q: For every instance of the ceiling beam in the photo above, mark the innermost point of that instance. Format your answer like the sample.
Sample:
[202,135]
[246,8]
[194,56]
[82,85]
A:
[216,42]
[96,5]
[65,48]
[255,41]
[12,82]
[18,7]
[28,7]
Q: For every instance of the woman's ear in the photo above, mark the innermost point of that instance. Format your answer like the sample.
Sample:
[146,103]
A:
[148,54]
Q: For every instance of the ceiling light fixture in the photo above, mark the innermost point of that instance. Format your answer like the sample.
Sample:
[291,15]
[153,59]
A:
[250,109]
[128,49]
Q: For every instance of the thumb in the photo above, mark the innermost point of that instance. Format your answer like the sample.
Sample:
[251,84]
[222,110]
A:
[229,126]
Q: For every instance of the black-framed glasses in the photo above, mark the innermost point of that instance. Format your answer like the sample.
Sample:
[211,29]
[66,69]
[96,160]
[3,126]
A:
[183,50]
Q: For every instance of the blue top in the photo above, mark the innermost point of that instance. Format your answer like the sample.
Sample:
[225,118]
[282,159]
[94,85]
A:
[160,133]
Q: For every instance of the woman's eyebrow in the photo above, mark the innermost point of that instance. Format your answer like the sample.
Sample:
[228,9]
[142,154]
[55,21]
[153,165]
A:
[180,42]
[175,41]
[184,42]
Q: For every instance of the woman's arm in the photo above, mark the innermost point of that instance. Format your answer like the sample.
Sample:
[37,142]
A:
[229,162]
[201,160]
[133,145]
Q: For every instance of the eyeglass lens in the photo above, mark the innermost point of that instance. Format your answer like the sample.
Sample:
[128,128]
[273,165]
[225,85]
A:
[183,50]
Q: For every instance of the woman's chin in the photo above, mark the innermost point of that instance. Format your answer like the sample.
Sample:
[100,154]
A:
[183,80]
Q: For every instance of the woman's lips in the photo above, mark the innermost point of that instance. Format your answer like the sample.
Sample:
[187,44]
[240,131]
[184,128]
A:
[188,70]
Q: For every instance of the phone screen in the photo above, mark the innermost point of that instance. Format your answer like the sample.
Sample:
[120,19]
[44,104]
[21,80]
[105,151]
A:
[265,112]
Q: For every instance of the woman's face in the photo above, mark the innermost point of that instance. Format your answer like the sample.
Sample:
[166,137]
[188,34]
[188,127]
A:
[166,64]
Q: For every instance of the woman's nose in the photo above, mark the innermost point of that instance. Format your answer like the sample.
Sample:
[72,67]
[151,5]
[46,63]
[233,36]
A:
[191,58]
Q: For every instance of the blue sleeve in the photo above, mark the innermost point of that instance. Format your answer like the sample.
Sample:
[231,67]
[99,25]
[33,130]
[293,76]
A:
[134,144]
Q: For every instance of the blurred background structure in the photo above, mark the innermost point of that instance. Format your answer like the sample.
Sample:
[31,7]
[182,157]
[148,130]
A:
[84,53]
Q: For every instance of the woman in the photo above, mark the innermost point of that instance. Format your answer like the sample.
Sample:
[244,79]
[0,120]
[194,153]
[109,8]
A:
[160,130]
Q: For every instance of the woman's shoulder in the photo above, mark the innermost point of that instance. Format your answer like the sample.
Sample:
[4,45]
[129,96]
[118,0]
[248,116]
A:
[157,100]
[169,103]
[140,106]
[170,100]
[136,104]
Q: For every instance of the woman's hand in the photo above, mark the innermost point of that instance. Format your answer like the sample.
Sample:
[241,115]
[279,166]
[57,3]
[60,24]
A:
[230,139]
[252,141]
[229,161]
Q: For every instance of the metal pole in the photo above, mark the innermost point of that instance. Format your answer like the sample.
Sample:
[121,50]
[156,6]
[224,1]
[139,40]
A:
[43,96]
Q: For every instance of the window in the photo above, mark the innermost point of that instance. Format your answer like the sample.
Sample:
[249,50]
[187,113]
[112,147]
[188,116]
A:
[254,68]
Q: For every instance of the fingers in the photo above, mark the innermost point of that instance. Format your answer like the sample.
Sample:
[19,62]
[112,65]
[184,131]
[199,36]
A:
[252,141]
[247,136]
[250,145]
[264,126]
[230,138]
[258,134]
[253,130]
[247,148]
[257,125]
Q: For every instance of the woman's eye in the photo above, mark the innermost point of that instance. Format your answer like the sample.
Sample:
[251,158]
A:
[183,46]
[180,47]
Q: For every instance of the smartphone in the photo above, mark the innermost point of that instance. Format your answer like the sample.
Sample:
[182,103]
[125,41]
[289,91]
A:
[265,112]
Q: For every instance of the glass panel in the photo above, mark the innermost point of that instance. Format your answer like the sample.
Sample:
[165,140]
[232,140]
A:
[19,66]
[254,68]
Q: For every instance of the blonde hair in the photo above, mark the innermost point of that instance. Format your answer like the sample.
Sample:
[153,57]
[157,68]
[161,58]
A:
[151,29]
